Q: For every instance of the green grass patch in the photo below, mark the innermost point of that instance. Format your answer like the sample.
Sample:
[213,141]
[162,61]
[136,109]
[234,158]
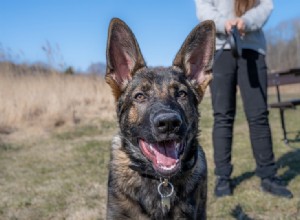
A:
[87,130]
[94,155]
[5,147]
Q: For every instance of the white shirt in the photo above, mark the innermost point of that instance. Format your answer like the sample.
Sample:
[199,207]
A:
[221,10]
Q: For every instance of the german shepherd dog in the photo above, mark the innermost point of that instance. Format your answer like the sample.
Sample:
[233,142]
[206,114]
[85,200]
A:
[157,168]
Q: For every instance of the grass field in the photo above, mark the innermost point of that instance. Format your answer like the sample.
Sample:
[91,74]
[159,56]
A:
[54,161]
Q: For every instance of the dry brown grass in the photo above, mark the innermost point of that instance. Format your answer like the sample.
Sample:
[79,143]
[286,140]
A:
[46,101]
[53,153]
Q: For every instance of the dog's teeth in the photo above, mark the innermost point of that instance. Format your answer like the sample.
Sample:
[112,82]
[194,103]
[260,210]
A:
[151,147]
[168,168]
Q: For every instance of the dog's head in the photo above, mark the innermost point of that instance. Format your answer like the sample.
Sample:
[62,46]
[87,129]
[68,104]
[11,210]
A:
[157,108]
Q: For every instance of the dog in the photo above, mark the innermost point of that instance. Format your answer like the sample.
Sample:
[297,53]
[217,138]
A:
[157,168]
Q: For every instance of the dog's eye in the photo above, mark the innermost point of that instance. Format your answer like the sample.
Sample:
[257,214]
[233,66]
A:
[182,94]
[140,97]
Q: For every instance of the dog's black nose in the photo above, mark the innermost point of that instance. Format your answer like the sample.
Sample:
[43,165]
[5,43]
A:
[167,122]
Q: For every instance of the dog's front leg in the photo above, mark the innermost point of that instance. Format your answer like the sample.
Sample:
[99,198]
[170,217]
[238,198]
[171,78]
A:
[121,208]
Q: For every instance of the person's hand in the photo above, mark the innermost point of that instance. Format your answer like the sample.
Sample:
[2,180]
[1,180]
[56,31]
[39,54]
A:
[238,22]
[229,24]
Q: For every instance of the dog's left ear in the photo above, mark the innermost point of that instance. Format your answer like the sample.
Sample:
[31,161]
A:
[195,56]
[123,56]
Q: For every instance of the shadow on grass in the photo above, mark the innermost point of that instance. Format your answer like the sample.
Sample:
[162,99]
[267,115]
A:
[237,180]
[290,160]
[295,139]
[239,214]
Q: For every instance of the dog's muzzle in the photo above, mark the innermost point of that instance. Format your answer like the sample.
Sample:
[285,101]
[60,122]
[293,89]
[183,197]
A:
[167,145]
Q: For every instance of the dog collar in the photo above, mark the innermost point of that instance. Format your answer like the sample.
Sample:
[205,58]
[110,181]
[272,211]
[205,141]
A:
[165,190]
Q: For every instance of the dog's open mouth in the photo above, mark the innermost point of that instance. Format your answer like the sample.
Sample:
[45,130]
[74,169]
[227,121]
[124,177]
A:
[165,156]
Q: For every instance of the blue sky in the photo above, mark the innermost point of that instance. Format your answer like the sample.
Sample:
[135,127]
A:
[77,29]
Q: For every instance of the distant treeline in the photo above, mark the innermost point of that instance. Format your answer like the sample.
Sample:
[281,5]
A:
[283,43]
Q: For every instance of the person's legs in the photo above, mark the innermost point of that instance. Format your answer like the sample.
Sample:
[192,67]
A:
[252,80]
[223,91]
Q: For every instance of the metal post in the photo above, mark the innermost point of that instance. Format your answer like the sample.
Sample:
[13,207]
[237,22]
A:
[281,111]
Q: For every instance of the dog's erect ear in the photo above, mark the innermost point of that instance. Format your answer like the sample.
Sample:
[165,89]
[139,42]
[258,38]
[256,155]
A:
[195,56]
[123,56]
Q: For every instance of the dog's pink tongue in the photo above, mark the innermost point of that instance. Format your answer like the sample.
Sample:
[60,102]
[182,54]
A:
[166,153]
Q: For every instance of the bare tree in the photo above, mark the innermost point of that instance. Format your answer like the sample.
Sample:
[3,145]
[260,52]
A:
[283,43]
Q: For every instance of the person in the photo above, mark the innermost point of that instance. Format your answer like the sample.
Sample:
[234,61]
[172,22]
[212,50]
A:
[249,72]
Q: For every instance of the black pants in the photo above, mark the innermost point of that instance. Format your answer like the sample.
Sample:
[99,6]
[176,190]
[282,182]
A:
[250,73]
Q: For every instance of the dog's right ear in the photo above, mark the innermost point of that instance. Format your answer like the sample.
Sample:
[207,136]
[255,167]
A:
[123,56]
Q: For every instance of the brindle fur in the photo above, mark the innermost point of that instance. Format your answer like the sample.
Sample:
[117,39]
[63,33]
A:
[132,184]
